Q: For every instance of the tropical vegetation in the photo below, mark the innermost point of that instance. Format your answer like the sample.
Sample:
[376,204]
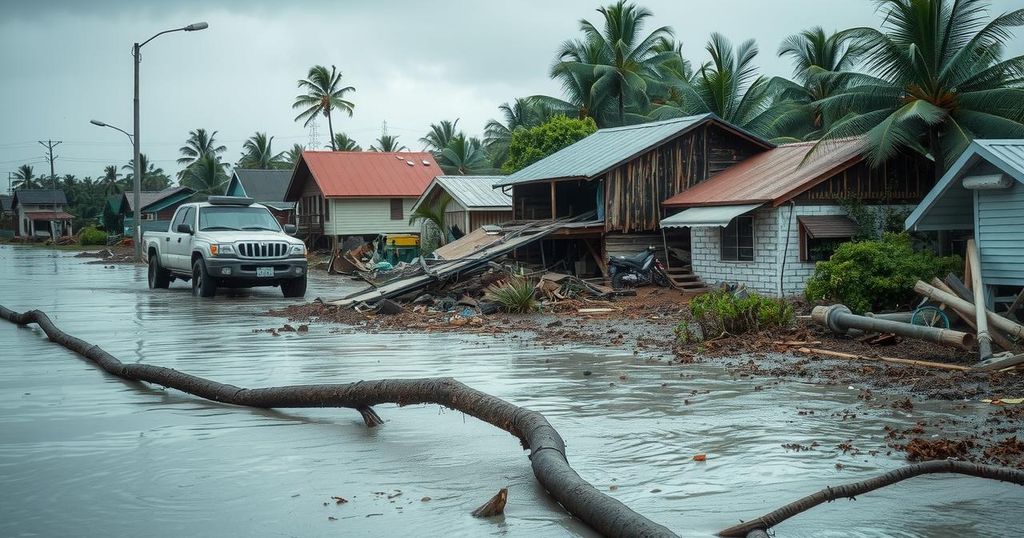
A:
[258,153]
[531,145]
[324,94]
[433,232]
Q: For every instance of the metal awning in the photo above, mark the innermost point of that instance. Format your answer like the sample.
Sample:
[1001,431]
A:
[828,226]
[707,216]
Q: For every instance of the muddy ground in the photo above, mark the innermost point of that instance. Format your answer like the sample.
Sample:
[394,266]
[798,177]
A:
[645,323]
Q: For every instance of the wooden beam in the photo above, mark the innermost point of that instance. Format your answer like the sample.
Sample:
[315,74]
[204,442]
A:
[597,258]
[554,206]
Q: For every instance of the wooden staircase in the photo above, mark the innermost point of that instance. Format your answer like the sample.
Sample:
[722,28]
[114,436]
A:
[682,277]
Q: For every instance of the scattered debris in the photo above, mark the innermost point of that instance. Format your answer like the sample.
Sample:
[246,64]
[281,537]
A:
[495,506]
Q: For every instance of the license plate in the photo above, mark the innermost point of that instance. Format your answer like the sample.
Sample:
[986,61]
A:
[264,271]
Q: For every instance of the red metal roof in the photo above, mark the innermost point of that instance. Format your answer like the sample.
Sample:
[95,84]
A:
[365,173]
[773,176]
[48,215]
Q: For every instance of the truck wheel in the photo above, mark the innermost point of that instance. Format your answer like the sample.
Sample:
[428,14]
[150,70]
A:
[294,287]
[203,285]
[159,278]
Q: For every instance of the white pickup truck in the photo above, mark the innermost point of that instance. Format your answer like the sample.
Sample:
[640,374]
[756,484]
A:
[227,242]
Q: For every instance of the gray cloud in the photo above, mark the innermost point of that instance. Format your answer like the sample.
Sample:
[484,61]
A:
[412,63]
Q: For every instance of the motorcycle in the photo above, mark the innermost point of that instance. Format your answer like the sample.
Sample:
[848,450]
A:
[639,269]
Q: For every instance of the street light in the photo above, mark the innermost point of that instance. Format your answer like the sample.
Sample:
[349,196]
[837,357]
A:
[99,123]
[137,183]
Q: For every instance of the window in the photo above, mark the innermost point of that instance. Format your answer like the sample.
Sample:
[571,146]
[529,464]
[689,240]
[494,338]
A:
[327,204]
[738,240]
[397,211]
[820,235]
[237,218]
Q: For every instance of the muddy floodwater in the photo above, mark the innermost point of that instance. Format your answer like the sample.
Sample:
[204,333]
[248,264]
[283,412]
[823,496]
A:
[86,454]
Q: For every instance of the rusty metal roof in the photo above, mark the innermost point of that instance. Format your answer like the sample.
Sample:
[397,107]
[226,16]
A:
[773,176]
[364,173]
[828,226]
[611,146]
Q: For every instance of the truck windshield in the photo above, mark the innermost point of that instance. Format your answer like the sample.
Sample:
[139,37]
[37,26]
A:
[237,218]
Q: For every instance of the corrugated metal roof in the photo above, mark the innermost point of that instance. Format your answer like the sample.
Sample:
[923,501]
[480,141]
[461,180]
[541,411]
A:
[828,226]
[1009,152]
[39,196]
[609,147]
[773,176]
[475,192]
[365,173]
[707,217]
[263,185]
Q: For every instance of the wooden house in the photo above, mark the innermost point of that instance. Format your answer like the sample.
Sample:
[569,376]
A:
[982,193]
[615,179]
[41,213]
[266,187]
[474,202]
[764,222]
[357,193]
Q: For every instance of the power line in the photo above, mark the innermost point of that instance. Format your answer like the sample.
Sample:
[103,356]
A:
[49,145]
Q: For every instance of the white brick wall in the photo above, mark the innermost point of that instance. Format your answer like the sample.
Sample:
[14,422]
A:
[766,273]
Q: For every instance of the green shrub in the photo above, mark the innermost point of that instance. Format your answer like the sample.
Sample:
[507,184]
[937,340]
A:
[876,275]
[515,295]
[723,312]
[528,146]
[92,236]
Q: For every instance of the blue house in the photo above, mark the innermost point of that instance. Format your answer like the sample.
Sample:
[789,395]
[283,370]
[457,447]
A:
[983,192]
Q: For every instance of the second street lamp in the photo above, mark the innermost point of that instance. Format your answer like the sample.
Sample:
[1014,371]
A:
[137,183]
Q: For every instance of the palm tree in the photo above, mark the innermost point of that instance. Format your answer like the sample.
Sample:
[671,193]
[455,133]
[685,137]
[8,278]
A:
[577,84]
[111,180]
[817,59]
[258,153]
[431,219]
[523,113]
[199,143]
[207,176]
[464,156]
[727,86]
[25,178]
[627,59]
[323,94]
[343,143]
[153,178]
[388,143]
[937,80]
[440,135]
[293,155]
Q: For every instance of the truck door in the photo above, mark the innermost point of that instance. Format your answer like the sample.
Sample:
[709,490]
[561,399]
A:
[180,244]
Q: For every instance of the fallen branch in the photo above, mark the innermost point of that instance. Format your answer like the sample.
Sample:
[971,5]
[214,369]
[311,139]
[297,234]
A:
[771,519]
[493,507]
[547,450]
[908,362]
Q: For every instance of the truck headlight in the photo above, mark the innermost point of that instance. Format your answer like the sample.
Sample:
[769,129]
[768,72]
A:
[298,249]
[222,249]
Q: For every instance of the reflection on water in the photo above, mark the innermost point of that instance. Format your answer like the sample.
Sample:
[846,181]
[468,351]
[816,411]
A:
[85,454]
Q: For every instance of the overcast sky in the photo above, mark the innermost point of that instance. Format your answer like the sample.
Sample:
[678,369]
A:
[412,63]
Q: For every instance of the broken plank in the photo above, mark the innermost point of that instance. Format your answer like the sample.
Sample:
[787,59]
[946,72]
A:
[908,362]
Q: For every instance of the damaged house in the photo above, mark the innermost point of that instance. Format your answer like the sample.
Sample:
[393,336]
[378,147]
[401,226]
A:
[474,202]
[363,194]
[613,182]
[764,222]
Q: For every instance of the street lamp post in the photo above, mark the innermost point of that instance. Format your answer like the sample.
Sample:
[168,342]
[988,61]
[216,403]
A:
[137,183]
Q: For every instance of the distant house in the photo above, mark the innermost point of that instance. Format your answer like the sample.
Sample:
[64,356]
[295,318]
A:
[157,207]
[41,213]
[266,187]
[619,176]
[983,192]
[357,193]
[765,221]
[474,202]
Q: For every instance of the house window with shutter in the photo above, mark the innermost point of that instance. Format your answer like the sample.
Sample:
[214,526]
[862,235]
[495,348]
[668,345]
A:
[397,211]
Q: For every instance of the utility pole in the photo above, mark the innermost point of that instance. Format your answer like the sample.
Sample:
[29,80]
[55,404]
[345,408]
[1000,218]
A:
[49,145]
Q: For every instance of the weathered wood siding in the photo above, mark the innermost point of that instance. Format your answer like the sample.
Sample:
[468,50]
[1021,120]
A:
[367,216]
[634,191]
[901,180]
[999,231]
[480,218]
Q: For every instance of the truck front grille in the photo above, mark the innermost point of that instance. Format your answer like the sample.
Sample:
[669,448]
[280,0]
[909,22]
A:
[262,249]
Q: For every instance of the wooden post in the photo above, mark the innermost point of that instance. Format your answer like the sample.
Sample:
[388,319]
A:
[554,206]
[978,287]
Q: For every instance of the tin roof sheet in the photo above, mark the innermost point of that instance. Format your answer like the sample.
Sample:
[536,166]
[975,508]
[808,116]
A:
[475,192]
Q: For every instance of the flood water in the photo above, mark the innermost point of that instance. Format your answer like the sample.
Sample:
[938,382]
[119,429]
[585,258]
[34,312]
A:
[85,454]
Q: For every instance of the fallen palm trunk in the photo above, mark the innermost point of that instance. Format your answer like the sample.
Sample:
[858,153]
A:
[981,320]
[1014,330]
[969,318]
[771,519]
[547,450]
[839,319]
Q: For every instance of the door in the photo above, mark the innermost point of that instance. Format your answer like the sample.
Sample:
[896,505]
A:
[179,245]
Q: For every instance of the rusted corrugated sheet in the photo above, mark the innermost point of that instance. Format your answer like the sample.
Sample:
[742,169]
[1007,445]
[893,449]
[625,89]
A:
[369,173]
[773,176]
[828,226]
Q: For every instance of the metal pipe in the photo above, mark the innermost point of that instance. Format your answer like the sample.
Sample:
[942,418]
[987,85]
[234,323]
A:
[839,319]
[1014,330]
[984,340]
[903,317]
